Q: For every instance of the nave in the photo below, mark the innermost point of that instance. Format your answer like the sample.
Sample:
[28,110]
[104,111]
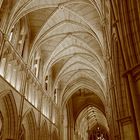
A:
[69,70]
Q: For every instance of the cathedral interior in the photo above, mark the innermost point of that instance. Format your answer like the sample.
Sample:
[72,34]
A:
[69,69]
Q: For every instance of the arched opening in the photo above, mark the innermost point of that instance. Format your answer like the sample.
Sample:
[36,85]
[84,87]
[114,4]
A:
[29,125]
[8,109]
[82,112]
[18,37]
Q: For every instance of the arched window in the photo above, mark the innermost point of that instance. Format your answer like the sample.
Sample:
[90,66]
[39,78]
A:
[55,96]
[36,63]
[14,34]
[18,35]
[46,82]
[11,34]
[22,37]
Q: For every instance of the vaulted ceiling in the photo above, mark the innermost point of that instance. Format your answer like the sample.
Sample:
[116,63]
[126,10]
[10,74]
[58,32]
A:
[69,36]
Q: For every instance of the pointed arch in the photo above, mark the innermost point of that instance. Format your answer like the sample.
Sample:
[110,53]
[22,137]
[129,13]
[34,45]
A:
[30,125]
[8,109]
[82,84]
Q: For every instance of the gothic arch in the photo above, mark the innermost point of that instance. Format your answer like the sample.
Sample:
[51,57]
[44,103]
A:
[19,37]
[8,109]
[30,126]
[67,94]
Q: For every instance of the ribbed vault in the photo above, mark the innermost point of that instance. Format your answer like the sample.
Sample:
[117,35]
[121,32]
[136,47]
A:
[88,119]
[69,38]
[91,115]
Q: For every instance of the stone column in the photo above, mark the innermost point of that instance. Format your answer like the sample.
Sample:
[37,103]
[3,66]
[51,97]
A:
[127,27]
[134,84]
[23,92]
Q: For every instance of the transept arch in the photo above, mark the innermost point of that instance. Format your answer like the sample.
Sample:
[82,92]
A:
[81,84]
